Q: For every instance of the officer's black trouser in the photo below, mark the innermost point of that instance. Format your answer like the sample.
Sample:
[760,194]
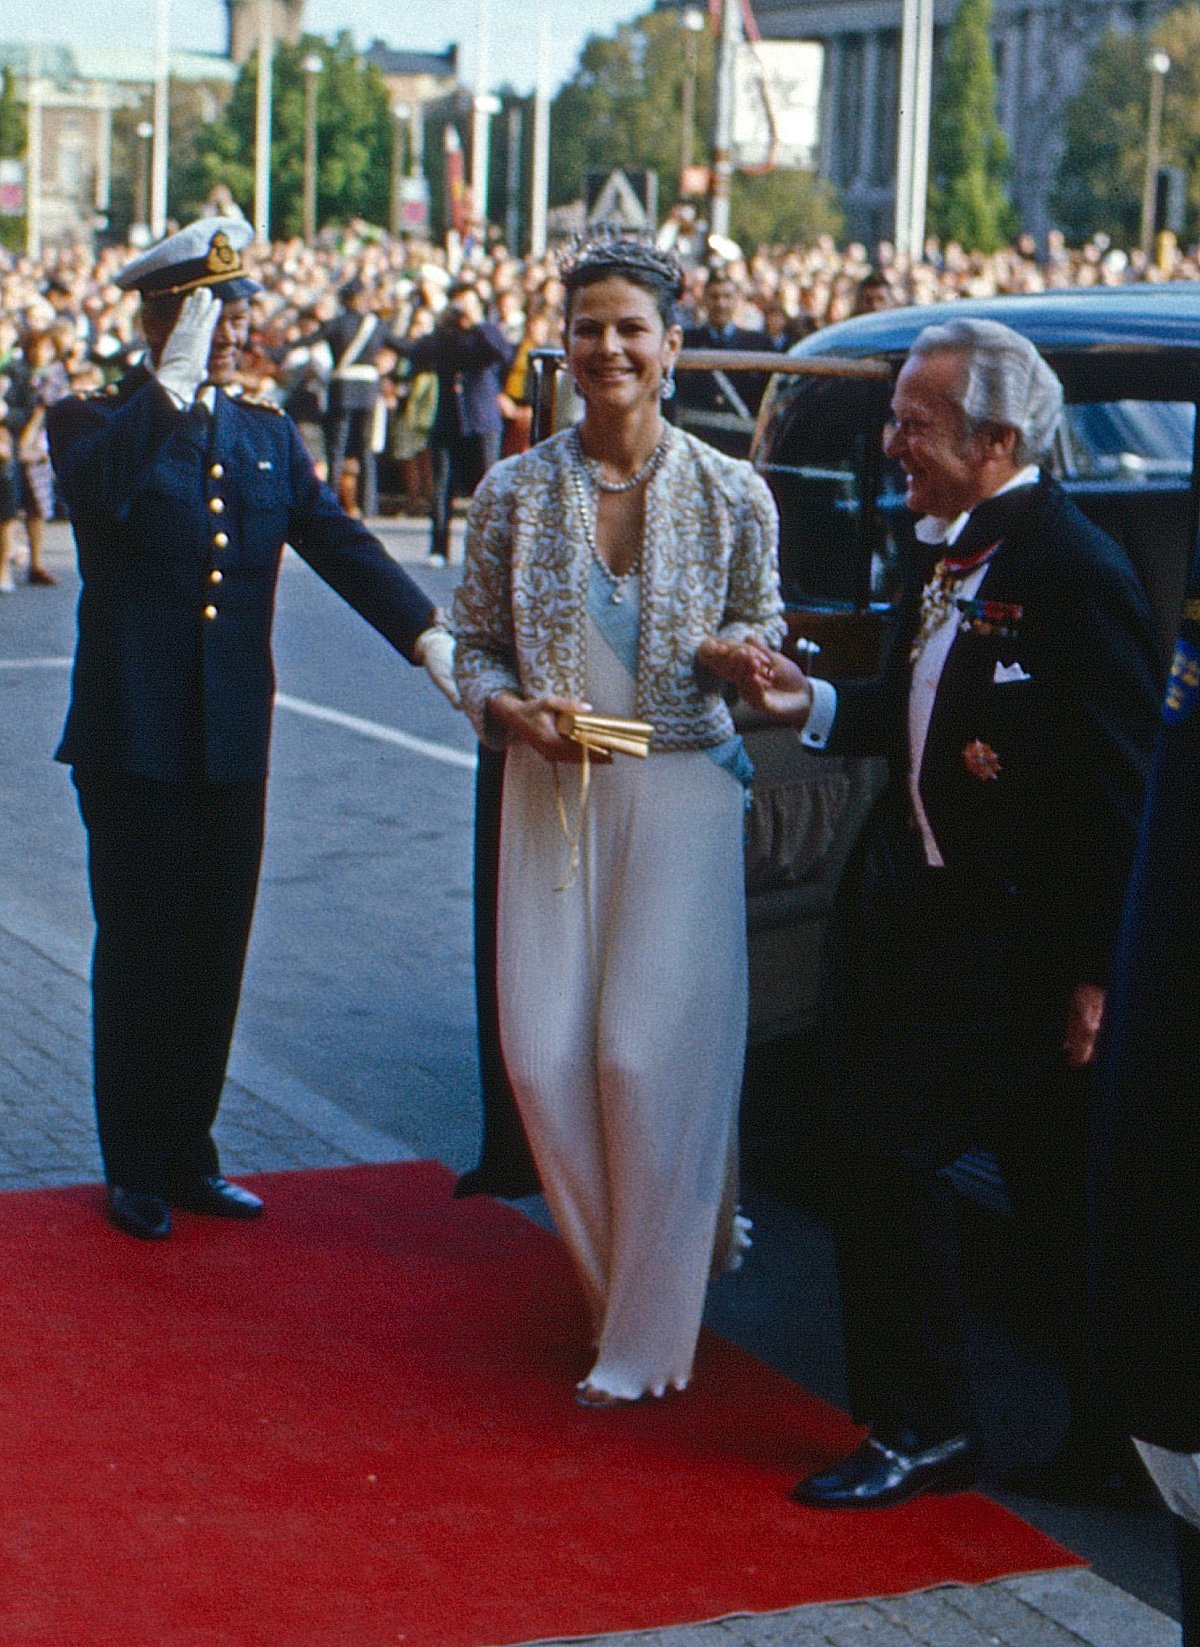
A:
[173,869]
[953,1007]
[349,434]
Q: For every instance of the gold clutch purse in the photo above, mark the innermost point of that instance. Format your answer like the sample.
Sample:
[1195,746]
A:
[607,735]
[610,734]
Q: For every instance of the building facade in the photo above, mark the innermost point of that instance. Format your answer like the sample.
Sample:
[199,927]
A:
[75,91]
[1041,50]
[287,24]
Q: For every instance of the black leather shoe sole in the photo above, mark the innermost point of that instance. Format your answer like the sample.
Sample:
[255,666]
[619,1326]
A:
[874,1477]
[136,1212]
[216,1198]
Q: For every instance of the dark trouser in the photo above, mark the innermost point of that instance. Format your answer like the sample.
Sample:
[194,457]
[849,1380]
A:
[459,464]
[1187,1539]
[505,1164]
[949,1033]
[348,434]
[174,870]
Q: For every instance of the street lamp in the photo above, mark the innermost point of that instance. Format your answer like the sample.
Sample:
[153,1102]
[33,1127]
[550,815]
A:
[1157,64]
[312,65]
[139,234]
[693,25]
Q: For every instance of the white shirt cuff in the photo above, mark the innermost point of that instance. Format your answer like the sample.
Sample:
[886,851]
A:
[815,732]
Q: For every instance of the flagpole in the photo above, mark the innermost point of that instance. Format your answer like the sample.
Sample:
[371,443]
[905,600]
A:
[158,178]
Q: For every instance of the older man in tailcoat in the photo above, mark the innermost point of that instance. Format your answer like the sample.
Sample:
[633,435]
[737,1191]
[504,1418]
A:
[181,498]
[1017,706]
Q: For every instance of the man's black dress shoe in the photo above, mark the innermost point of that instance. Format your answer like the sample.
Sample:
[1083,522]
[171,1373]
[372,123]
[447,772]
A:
[215,1198]
[139,1213]
[875,1476]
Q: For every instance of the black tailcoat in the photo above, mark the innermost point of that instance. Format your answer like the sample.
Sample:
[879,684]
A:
[953,984]
[180,522]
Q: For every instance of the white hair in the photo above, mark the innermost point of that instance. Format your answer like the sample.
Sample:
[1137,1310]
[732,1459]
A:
[1004,381]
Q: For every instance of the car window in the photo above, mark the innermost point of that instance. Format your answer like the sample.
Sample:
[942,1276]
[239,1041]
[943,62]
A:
[818,470]
[1131,441]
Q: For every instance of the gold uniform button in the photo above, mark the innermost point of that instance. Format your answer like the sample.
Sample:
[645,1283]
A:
[221,540]
[210,611]
[217,505]
[217,471]
[215,576]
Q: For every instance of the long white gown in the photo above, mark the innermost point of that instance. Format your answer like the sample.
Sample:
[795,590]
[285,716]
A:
[623,1004]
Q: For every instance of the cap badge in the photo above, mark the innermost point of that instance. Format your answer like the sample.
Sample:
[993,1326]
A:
[222,258]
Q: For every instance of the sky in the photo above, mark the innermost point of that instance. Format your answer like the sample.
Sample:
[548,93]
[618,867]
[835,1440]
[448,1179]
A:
[432,25]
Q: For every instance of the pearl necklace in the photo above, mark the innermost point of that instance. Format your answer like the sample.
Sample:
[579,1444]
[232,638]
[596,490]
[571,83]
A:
[580,476]
[635,479]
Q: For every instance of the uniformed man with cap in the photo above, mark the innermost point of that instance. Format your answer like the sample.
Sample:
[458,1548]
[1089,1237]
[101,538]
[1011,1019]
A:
[181,497]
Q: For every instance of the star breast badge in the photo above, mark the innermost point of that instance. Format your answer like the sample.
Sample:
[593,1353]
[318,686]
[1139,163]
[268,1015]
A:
[981,761]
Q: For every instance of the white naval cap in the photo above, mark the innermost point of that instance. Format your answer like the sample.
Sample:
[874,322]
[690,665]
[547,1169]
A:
[206,253]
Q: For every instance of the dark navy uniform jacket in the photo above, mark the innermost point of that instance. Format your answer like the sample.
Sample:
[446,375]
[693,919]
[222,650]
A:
[180,520]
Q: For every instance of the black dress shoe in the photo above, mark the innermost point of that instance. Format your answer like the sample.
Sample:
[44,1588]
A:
[874,1475]
[215,1198]
[139,1213]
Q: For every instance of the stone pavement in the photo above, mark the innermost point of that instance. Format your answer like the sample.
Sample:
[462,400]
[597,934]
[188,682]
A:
[271,1122]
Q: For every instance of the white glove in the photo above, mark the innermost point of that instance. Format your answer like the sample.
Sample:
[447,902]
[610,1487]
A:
[435,651]
[183,366]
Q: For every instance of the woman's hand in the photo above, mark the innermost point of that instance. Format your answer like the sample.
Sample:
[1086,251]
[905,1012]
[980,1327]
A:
[741,664]
[535,722]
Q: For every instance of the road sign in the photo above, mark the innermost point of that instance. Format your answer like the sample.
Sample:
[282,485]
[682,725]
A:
[626,198]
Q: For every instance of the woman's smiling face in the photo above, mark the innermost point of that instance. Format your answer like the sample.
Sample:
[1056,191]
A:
[618,348]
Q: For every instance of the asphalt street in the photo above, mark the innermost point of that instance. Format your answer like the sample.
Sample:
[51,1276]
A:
[358,1015]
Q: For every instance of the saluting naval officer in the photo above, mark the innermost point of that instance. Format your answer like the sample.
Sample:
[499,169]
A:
[181,497]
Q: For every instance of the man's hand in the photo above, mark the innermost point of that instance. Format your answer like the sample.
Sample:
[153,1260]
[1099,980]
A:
[183,364]
[434,650]
[777,687]
[1084,1016]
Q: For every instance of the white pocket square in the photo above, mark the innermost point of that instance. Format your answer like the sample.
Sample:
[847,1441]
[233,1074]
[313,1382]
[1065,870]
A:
[1006,672]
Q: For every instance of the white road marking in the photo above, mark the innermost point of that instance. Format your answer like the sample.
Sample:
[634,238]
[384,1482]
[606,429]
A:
[316,712]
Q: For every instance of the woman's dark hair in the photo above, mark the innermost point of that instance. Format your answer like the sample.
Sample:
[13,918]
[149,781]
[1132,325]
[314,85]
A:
[655,272]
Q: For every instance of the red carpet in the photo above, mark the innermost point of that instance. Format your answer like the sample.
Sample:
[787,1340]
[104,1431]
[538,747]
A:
[351,1425]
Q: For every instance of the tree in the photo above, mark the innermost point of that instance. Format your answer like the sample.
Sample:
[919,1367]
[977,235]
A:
[355,138]
[624,107]
[968,154]
[1100,179]
[12,147]
[782,208]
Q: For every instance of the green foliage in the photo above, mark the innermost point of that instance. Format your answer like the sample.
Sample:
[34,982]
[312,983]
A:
[1100,180]
[782,208]
[968,154]
[624,105]
[355,138]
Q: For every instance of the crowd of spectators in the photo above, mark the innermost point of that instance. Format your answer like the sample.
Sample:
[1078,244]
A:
[65,310]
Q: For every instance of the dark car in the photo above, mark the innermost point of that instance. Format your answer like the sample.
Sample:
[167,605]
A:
[1129,361]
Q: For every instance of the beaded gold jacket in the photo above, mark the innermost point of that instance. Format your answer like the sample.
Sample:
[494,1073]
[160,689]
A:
[708,568]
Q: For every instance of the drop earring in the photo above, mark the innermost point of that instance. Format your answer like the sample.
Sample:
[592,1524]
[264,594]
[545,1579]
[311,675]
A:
[667,387]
